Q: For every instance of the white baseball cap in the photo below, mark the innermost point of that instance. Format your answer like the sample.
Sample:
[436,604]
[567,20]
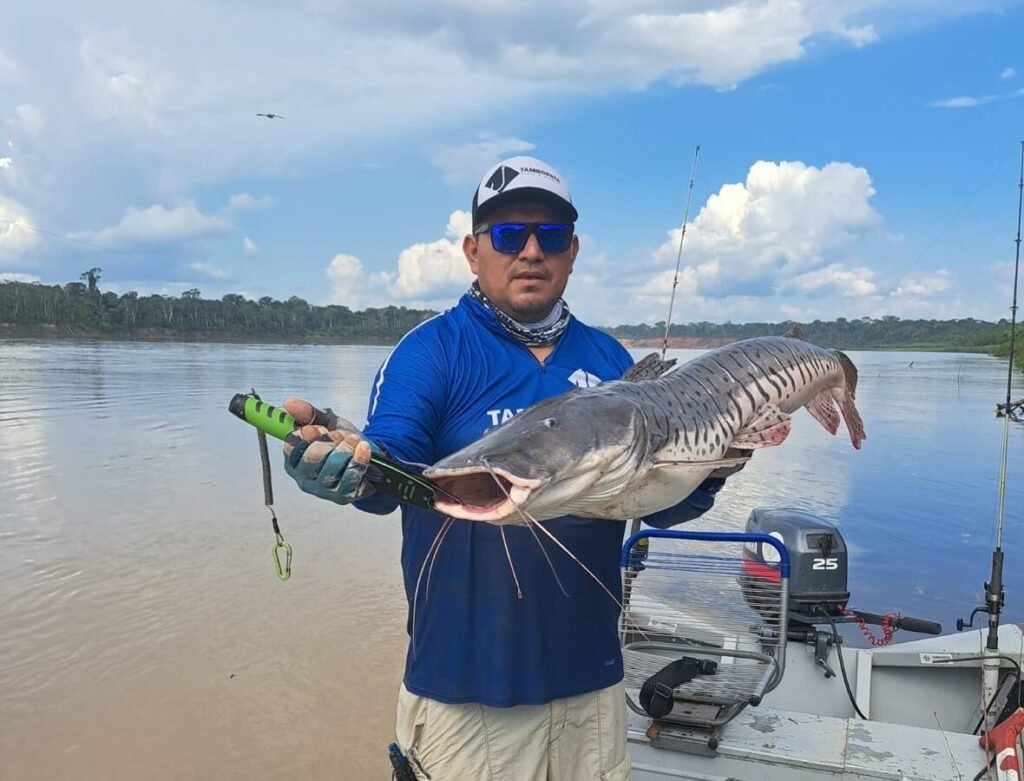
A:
[521,179]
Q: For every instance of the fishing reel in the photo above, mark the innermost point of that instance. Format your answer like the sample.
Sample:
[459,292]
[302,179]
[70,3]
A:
[995,596]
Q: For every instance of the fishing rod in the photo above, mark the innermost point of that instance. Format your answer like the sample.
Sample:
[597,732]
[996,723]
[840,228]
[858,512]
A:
[994,594]
[642,543]
[679,252]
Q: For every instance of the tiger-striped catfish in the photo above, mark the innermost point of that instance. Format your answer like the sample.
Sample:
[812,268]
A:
[625,449]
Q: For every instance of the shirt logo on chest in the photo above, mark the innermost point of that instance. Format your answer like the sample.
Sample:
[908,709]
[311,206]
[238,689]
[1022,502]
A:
[498,416]
[584,379]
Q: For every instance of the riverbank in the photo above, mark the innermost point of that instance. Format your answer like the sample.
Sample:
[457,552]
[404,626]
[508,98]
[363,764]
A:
[69,333]
[50,331]
[698,343]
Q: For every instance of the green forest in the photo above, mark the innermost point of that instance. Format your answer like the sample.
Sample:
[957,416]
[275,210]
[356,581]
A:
[866,333]
[81,309]
[885,333]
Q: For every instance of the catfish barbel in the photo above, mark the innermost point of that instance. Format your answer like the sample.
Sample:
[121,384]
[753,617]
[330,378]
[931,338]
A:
[626,449]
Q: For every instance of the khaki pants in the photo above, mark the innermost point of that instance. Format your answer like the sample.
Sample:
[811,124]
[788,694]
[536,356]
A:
[581,738]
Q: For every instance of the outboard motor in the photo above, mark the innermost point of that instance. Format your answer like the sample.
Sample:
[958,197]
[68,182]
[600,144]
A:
[817,558]
[818,593]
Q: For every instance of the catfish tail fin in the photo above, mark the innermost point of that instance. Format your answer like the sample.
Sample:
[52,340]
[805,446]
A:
[849,370]
[848,401]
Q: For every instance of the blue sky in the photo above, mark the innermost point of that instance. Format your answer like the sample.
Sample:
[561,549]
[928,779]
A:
[857,158]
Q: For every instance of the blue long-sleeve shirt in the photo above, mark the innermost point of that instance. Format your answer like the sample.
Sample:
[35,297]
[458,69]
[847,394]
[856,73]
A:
[472,638]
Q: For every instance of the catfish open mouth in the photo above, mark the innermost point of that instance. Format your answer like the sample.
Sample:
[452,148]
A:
[483,495]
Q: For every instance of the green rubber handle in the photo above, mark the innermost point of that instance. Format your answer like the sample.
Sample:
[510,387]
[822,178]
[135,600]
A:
[385,474]
[271,420]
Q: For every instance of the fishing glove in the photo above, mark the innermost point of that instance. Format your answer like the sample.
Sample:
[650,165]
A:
[325,467]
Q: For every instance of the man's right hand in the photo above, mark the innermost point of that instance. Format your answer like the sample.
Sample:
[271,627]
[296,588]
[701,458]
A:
[327,462]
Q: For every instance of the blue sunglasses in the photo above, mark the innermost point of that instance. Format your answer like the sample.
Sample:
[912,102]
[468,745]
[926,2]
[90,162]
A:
[511,237]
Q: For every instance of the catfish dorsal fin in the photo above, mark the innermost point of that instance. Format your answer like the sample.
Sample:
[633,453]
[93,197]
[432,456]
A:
[649,367]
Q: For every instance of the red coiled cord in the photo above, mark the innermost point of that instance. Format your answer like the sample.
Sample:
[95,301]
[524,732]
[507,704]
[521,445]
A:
[888,630]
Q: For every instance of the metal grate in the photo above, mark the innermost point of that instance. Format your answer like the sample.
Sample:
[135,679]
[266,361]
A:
[705,595]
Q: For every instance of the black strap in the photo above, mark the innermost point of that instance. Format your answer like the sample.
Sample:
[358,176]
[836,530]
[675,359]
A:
[658,690]
[401,770]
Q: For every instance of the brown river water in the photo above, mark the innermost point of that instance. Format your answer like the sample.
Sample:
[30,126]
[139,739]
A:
[146,637]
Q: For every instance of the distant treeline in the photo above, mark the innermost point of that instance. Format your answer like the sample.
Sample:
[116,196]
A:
[866,333]
[80,308]
[1002,347]
[887,332]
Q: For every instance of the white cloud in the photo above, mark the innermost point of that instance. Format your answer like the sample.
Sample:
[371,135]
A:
[5,162]
[858,36]
[659,285]
[812,221]
[466,162]
[17,276]
[798,313]
[427,274]
[784,231]
[29,171]
[158,224]
[784,243]
[249,246]
[208,269]
[835,278]
[122,79]
[346,275]
[963,101]
[155,87]
[952,307]
[722,45]
[17,231]
[426,271]
[243,202]
[1008,73]
[923,285]
[786,218]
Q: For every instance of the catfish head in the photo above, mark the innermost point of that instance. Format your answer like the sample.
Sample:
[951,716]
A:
[562,456]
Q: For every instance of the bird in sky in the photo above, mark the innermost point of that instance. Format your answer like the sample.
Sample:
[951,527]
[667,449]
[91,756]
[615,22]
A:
[270,116]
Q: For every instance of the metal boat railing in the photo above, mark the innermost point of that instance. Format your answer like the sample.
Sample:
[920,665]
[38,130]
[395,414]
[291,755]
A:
[705,595]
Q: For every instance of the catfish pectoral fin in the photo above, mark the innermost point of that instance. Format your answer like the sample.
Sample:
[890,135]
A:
[767,428]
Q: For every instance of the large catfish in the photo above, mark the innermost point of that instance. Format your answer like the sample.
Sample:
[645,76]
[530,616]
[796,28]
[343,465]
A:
[625,449]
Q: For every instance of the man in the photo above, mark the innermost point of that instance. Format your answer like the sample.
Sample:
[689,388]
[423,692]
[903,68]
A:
[514,670]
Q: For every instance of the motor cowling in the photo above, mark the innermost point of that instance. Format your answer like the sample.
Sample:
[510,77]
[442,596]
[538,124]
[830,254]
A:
[817,558]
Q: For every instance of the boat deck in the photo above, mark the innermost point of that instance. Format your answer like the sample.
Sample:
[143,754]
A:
[922,715]
[768,744]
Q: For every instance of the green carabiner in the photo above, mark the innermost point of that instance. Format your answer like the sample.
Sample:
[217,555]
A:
[285,572]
